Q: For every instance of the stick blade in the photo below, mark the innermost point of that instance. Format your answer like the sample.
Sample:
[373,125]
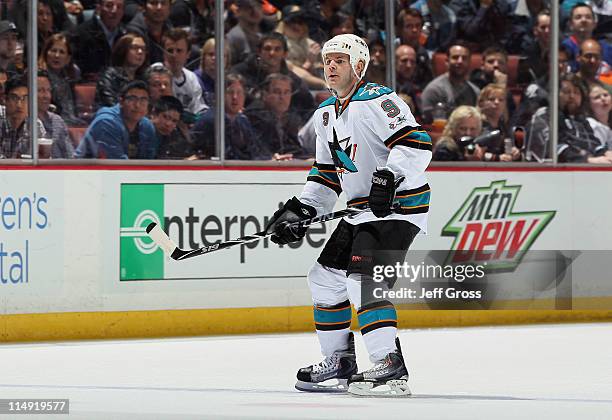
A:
[161,239]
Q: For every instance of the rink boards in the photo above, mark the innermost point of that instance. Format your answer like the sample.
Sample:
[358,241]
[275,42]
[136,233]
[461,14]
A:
[75,261]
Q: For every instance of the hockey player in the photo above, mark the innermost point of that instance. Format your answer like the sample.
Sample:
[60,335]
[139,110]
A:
[369,146]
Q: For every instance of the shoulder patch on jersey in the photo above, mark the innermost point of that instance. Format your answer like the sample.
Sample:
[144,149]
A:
[329,101]
[325,118]
[371,91]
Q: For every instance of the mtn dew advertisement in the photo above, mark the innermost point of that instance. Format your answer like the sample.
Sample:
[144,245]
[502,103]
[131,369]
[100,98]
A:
[489,262]
[488,227]
[196,215]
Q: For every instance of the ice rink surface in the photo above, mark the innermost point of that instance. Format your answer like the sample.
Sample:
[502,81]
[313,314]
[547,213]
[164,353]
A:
[528,372]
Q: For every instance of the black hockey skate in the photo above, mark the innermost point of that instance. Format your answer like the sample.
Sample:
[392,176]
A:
[387,378]
[331,374]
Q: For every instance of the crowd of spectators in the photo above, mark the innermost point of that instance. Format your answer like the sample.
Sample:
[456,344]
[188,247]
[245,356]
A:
[135,79]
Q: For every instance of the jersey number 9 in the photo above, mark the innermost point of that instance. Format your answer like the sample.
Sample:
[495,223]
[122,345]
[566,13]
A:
[390,108]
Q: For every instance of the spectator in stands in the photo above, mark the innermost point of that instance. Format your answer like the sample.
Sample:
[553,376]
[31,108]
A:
[122,131]
[452,88]
[8,47]
[321,15]
[20,57]
[244,38]
[440,21]
[522,21]
[534,63]
[369,16]
[581,25]
[482,23]
[493,68]
[131,9]
[302,51]
[600,105]
[590,64]
[56,59]
[15,139]
[274,123]
[74,10]
[52,17]
[342,23]
[153,23]
[377,69]
[464,121]
[165,116]
[197,15]
[410,28]
[129,61]
[535,95]
[241,141]
[54,124]
[207,71]
[3,79]
[492,106]
[577,141]
[94,39]
[44,21]
[270,58]
[405,61]
[303,54]
[159,80]
[185,84]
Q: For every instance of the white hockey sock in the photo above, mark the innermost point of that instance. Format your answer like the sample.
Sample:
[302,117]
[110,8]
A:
[380,342]
[332,341]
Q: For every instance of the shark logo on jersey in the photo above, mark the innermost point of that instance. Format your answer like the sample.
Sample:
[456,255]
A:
[325,118]
[371,89]
[397,122]
[343,154]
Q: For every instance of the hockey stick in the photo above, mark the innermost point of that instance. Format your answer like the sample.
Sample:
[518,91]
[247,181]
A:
[178,254]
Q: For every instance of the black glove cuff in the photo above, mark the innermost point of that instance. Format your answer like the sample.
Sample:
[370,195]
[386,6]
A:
[303,211]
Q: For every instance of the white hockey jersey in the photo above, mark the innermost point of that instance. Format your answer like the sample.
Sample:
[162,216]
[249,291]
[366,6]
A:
[373,129]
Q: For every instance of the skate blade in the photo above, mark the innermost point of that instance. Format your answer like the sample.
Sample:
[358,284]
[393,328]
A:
[329,386]
[392,389]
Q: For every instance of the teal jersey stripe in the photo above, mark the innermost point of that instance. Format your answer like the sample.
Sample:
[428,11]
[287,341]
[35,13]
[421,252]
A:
[415,200]
[333,316]
[332,176]
[420,136]
[374,315]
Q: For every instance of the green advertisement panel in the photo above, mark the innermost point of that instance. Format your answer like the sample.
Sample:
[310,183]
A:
[140,257]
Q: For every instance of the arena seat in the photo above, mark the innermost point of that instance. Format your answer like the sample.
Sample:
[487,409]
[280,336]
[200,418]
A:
[84,96]
[76,134]
[513,61]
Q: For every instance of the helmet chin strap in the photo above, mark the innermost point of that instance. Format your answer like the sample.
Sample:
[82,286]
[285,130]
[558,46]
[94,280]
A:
[334,92]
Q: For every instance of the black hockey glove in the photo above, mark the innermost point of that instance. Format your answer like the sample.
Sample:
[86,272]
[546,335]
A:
[292,211]
[382,192]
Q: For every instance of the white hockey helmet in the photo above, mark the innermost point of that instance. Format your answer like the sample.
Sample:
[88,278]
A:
[350,44]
